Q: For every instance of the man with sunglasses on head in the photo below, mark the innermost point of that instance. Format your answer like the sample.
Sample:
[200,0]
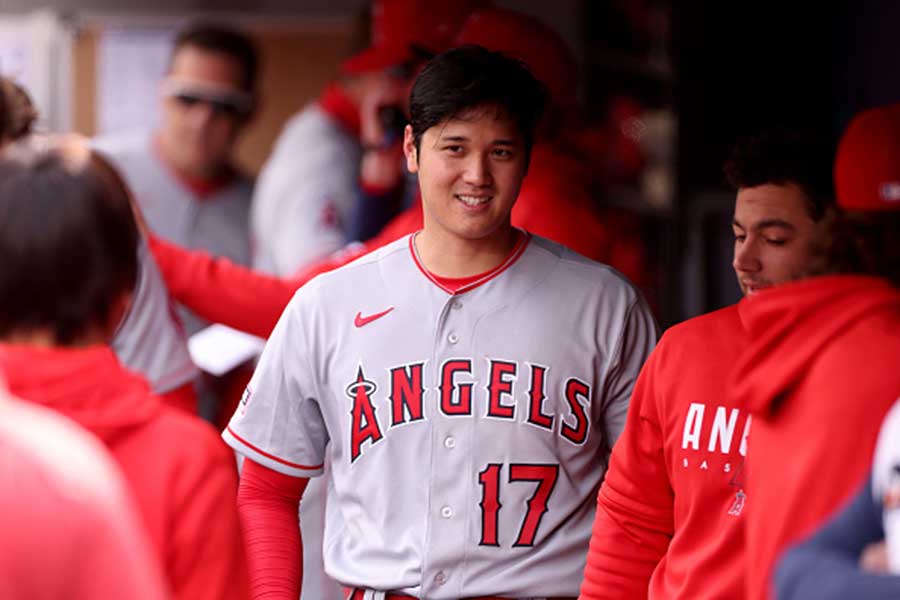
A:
[181,174]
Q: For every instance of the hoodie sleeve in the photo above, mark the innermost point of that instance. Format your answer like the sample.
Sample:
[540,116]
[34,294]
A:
[634,523]
[825,567]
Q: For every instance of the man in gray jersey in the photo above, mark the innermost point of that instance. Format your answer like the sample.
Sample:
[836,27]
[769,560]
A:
[181,175]
[465,383]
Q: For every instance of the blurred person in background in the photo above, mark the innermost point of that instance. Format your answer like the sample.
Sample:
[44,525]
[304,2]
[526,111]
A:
[349,138]
[70,264]
[845,558]
[670,513]
[182,174]
[819,371]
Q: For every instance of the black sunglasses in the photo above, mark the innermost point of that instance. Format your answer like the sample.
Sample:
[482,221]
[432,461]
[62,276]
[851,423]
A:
[219,105]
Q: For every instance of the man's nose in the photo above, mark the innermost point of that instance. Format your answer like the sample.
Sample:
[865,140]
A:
[478,170]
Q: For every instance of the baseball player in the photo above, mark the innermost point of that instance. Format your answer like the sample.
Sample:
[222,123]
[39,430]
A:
[819,371]
[670,514]
[465,383]
[181,175]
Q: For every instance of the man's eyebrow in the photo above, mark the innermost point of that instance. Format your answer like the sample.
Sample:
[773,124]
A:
[453,138]
[504,142]
[781,224]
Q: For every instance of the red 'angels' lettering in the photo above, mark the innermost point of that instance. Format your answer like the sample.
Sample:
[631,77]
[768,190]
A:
[363,424]
[406,393]
[545,475]
[506,396]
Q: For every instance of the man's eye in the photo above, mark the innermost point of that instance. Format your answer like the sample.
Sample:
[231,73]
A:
[453,149]
[776,242]
[739,237]
[502,153]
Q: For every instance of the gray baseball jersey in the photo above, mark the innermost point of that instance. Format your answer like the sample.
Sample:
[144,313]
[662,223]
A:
[305,193]
[217,222]
[467,432]
[150,339]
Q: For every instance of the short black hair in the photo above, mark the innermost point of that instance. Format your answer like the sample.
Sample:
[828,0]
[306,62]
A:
[471,76]
[68,240]
[17,112]
[782,157]
[216,37]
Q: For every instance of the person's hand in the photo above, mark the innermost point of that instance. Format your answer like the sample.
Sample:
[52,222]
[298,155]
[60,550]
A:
[874,558]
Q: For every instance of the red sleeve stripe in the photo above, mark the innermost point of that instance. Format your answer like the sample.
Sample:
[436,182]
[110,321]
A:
[271,456]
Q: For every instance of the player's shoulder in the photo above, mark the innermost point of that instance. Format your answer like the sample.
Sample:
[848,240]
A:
[124,146]
[703,329]
[39,437]
[312,132]
[592,276]
[364,270]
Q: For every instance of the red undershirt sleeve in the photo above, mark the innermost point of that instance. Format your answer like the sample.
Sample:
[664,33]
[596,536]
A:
[221,291]
[268,502]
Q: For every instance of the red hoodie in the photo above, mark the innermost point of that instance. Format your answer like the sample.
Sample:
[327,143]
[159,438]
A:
[182,476]
[818,377]
[669,518]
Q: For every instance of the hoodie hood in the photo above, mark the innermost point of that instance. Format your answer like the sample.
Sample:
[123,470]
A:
[88,385]
[789,325]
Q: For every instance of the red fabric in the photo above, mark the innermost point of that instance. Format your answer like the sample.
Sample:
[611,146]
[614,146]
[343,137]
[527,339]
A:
[268,502]
[69,530]
[336,103]
[182,475]
[818,377]
[183,398]
[666,524]
[220,291]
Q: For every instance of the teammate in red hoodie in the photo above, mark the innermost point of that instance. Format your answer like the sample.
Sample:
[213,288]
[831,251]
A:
[670,513]
[820,371]
[69,247]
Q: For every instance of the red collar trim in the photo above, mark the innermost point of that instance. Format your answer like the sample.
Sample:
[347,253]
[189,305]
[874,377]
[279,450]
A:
[455,286]
[201,189]
[338,105]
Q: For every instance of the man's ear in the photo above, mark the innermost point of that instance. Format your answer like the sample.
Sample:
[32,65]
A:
[409,150]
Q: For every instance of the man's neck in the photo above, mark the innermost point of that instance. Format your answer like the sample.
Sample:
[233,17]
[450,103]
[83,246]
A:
[450,256]
[213,175]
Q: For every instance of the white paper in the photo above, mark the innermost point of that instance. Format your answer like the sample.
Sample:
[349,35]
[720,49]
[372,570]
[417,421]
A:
[219,348]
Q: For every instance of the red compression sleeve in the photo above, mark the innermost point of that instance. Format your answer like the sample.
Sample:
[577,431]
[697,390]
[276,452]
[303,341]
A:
[267,504]
[221,291]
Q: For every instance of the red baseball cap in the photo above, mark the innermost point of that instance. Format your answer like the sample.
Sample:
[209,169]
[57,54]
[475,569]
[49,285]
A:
[867,165]
[404,30]
[534,43]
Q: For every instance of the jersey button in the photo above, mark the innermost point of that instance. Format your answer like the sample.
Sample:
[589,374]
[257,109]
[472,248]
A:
[446,512]
[440,578]
[456,304]
[452,338]
[450,442]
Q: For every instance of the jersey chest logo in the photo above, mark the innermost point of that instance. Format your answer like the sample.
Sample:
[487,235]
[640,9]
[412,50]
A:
[516,393]
[360,320]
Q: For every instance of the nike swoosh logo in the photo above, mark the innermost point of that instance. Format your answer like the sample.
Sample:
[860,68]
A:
[360,320]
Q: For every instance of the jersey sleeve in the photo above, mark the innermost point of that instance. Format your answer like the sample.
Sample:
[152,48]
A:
[278,423]
[221,291]
[825,567]
[634,520]
[636,341]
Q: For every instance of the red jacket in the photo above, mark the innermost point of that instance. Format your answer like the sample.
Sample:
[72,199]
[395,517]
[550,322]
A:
[818,377]
[181,474]
[670,516]
[553,202]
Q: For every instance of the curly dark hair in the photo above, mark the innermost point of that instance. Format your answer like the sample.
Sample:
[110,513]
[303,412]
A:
[866,243]
[782,157]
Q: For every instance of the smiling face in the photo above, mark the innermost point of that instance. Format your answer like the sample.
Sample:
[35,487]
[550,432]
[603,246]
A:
[775,238]
[470,169]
